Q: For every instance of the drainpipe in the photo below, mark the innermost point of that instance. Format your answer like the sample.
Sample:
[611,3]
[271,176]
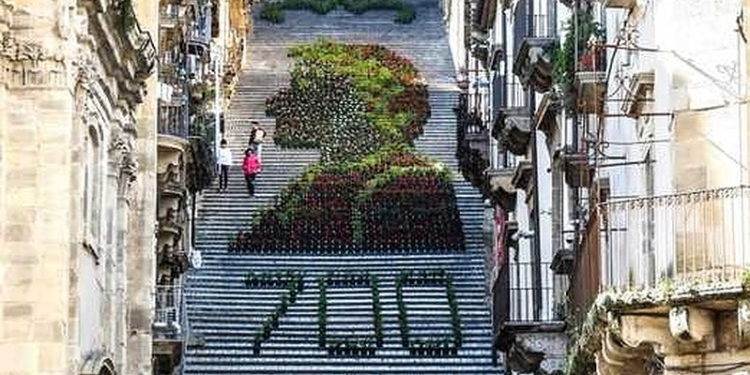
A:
[574,193]
[536,255]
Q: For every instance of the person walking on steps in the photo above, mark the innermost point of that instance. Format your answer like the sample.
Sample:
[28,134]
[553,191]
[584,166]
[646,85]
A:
[251,166]
[256,138]
[224,160]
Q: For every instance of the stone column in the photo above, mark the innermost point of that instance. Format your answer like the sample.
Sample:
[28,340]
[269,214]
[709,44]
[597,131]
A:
[36,159]
[746,28]
[141,264]
[113,309]
[123,274]
[125,174]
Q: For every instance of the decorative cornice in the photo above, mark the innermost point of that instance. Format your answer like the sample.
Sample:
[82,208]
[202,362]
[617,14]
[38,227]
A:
[640,83]
[533,63]
[128,54]
[86,72]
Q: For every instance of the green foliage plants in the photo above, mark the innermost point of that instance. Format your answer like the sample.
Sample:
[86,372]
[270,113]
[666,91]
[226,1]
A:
[443,346]
[377,310]
[274,11]
[579,28]
[362,107]
[322,312]
[349,346]
[291,282]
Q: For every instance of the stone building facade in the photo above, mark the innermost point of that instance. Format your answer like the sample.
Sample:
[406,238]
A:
[77,171]
[615,157]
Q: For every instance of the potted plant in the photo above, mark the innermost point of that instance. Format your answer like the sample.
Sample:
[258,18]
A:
[579,29]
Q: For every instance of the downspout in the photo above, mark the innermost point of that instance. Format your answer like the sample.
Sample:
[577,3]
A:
[574,193]
[536,255]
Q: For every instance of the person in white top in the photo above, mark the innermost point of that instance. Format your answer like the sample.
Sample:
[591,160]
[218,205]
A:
[224,160]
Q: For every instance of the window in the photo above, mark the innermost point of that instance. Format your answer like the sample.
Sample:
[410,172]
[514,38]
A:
[92,199]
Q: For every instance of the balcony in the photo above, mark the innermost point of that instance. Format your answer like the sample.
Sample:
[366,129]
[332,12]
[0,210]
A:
[512,128]
[534,63]
[591,81]
[523,175]
[473,146]
[578,170]
[168,313]
[545,119]
[477,137]
[501,190]
[169,335]
[683,245]
[173,117]
[199,37]
[534,46]
[525,313]
[122,41]
[624,4]
[169,19]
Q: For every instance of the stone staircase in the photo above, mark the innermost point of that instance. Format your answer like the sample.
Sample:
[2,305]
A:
[227,314]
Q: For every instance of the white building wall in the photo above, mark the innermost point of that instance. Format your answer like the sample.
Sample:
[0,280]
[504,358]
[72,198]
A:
[699,137]
[455,25]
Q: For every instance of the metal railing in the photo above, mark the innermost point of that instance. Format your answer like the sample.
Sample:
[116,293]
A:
[169,18]
[516,94]
[143,43]
[173,119]
[198,35]
[529,22]
[169,308]
[521,291]
[698,238]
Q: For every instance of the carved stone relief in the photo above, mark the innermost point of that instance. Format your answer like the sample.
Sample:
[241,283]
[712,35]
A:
[29,64]
[85,71]
[123,159]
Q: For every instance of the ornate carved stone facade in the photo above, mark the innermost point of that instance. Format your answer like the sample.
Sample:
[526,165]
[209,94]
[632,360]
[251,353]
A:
[75,169]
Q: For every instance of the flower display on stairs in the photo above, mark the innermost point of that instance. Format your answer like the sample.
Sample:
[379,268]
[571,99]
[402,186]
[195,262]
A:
[291,282]
[347,100]
[347,345]
[362,106]
[439,346]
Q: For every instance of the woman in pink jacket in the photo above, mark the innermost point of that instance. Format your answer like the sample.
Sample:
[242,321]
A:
[251,166]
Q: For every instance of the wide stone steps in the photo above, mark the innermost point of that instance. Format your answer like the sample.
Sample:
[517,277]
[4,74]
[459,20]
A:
[226,314]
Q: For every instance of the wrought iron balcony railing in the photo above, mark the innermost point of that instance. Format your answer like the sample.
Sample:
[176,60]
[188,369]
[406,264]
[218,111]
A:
[531,23]
[199,36]
[524,297]
[169,18]
[173,117]
[169,310]
[697,240]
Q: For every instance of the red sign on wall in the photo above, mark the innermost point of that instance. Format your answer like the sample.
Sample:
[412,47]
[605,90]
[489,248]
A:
[501,256]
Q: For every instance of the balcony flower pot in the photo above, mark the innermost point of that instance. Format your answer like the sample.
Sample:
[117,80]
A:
[563,262]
